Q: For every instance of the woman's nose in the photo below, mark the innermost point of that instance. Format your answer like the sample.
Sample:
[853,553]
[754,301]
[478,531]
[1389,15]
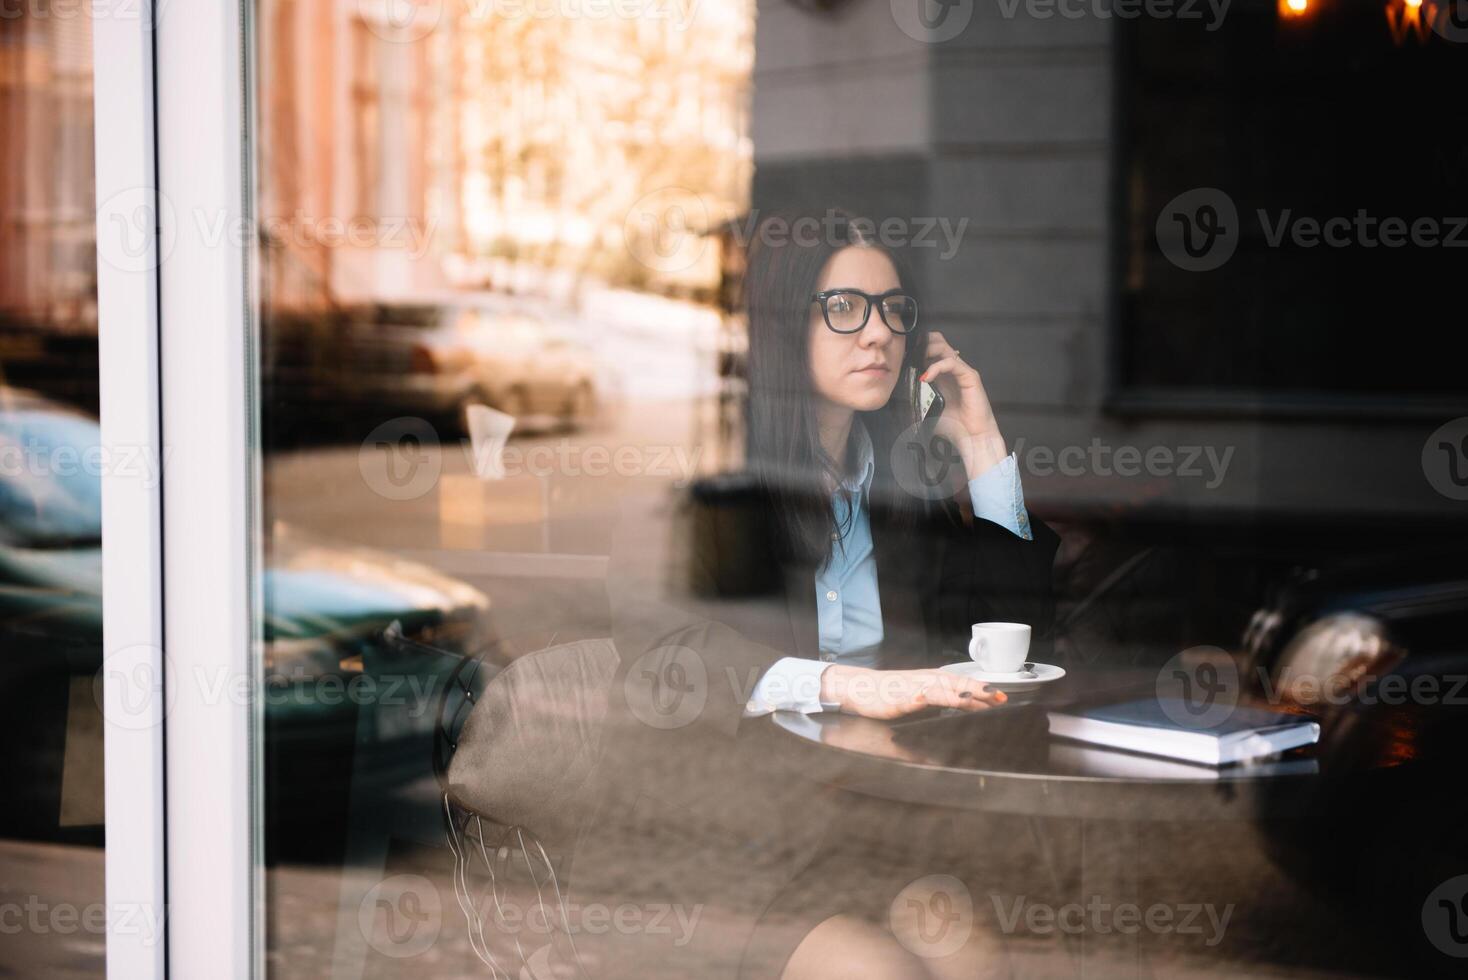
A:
[875,333]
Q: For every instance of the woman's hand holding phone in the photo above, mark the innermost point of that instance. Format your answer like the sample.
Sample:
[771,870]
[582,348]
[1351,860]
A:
[967,402]
[888,694]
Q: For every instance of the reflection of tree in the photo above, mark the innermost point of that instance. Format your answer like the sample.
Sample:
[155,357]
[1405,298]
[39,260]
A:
[565,123]
[514,133]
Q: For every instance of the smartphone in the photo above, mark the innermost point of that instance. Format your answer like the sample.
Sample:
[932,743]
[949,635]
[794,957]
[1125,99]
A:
[930,420]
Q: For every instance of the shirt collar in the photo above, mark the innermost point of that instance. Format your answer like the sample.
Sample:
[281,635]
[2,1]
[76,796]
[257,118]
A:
[865,460]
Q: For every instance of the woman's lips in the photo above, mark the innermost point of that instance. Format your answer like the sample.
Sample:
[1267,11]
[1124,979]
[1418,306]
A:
[875,369]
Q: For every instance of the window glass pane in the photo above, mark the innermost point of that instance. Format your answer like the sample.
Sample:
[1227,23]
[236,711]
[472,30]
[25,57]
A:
[446,214]
[632,609]
[51,821]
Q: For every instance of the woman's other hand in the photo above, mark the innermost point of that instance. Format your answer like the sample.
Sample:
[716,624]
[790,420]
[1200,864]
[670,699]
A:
[894,693]
[967,403]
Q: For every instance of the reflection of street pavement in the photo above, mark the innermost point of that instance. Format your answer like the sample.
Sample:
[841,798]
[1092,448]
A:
[1272,927]
[51,899]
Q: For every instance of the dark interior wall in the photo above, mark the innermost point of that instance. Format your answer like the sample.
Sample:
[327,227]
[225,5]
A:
[875,186]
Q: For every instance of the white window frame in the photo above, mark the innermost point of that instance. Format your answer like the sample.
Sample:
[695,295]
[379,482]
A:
[132,590]
[181,555]
[211,549]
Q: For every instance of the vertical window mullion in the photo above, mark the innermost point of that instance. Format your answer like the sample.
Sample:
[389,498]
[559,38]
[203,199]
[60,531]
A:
[132,601]
[209,541]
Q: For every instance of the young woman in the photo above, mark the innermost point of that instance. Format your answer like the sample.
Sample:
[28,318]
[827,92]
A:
[832,575]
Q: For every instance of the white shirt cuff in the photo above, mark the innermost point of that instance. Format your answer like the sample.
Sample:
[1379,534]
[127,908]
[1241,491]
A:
[791,684]
[998,497]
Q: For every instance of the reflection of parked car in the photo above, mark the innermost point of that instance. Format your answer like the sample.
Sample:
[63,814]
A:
[428,360]
[520,365]
[1379,652]
[326,610]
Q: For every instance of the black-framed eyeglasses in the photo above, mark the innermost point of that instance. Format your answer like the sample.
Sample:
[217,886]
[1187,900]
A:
[847,310]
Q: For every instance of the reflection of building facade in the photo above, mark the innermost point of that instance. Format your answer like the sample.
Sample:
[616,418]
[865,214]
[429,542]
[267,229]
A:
[343,120]
[47,223]
[527,138]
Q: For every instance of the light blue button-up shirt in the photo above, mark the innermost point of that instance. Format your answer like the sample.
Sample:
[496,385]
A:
[848,604]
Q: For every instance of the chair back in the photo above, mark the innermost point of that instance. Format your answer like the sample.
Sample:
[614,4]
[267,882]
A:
[527,751]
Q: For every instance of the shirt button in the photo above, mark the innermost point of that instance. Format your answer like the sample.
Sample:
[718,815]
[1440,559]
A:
[831,596]
[835,536]
[828,657]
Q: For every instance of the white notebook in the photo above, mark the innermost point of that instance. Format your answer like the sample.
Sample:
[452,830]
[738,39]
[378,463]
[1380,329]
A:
[1086,760]
[1148,726]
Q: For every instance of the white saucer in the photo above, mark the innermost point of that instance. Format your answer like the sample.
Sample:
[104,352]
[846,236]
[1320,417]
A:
[1044,674]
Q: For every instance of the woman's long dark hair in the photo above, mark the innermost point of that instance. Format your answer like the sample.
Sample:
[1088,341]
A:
[784,447]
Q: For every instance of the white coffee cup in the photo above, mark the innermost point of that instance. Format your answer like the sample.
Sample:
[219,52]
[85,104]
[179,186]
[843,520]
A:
[999,648]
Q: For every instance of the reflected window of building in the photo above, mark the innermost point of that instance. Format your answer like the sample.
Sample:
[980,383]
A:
[1310,206]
